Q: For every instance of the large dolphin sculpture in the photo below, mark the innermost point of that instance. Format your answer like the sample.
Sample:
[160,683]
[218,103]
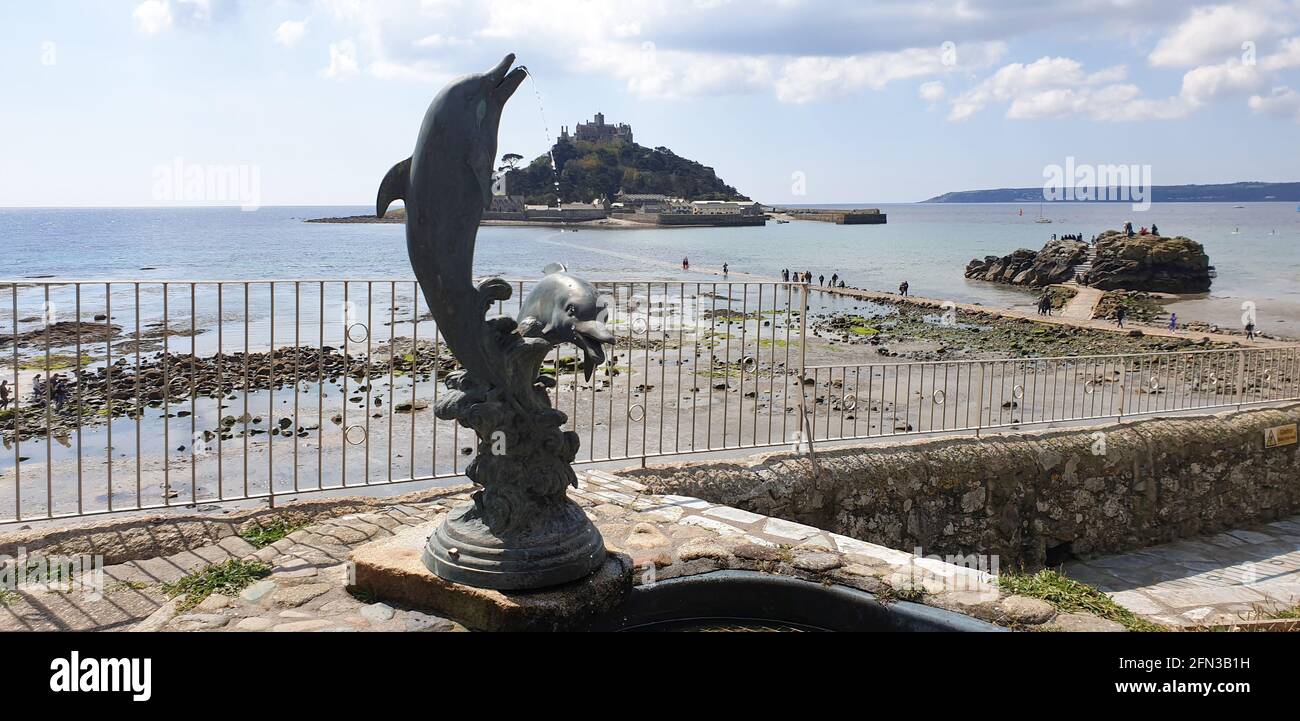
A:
[521,531]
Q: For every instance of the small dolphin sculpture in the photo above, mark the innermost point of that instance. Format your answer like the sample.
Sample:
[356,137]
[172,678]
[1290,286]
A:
[564,309]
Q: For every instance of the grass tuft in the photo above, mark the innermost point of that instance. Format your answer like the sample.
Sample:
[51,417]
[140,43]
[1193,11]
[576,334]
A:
[227,578]
[263,532]
[1070,596]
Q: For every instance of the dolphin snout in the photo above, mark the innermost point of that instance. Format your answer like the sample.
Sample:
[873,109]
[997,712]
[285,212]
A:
[594,330]
[506,81]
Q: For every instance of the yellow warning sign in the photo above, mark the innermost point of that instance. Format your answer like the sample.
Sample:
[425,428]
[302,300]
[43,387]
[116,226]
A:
[1280,436]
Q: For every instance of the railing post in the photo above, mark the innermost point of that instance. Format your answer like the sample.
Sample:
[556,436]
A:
[979,404]
[1239,378]
[1123,387]
[805,426]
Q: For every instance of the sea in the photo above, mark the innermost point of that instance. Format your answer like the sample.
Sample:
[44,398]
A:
[1255,248]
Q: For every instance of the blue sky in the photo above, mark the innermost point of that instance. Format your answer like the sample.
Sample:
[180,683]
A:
[889,101]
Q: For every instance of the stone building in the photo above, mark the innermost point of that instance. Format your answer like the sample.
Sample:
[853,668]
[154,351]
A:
[598,131]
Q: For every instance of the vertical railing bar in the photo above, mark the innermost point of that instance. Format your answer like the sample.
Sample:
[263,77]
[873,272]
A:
[167,396]
[221,388]
[726,369]
[370,381]
[645,410]
[681,343]
[81,412]
[347,373]
[297,376]
[663,370]
[18,415]
[49,413]
[108,395]
[740,361]
[758,356]
[415,381]
[247,419]
[272,428]
[320,390]
[631,367]
[785,385]
[392,365]
[194,398]
[713,323]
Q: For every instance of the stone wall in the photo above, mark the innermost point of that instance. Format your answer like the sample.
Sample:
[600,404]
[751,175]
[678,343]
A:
[1034,499]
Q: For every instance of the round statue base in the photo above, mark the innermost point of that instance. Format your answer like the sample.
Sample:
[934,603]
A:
[561,547]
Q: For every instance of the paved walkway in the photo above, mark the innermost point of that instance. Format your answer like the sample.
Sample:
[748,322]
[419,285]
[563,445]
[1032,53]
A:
[1222,579]
[1083,304]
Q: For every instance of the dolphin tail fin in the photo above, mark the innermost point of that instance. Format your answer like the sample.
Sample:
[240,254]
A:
[393,187]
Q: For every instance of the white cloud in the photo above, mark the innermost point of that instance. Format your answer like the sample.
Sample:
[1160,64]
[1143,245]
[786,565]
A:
[440,41]
[813,78]
[1282,102]
[670,74]
[1288,56]
[290,32]
[1208,82]
[932,92]
[1212,35]
[1047,87]
[420,72]
[153,16]
[343,60]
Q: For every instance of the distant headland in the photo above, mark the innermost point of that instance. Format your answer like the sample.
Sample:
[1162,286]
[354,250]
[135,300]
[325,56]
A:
[1244,192]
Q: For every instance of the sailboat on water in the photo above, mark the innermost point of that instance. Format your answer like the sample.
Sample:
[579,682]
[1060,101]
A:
[1040,218]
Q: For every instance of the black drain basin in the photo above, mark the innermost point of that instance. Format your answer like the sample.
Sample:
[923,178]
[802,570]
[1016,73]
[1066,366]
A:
[751,601]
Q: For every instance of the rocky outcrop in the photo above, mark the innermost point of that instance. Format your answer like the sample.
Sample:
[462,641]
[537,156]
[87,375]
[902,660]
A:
[1053,264]
[1150,263]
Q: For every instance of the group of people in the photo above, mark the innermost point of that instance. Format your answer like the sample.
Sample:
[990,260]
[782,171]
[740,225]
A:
[806,276]
[1073,236]
[1128,229]
[1045,304]
[54,390]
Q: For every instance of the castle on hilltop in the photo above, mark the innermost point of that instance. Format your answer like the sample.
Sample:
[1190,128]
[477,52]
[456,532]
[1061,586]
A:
[598,132]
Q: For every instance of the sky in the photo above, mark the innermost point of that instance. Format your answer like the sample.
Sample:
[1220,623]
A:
[309,102]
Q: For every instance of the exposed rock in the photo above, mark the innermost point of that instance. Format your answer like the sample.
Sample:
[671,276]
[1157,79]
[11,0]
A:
[1053,264]
[1150,263]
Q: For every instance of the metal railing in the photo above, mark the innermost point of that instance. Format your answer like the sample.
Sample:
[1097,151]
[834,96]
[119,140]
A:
[147,394]
[870,400]
[131,395]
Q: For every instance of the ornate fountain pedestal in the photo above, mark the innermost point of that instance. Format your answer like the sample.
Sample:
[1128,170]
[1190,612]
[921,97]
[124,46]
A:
[564,547]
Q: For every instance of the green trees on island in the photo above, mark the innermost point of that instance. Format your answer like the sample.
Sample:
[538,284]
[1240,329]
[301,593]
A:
[590,171]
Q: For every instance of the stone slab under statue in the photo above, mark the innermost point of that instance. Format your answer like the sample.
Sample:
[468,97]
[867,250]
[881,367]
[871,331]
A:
[521,531]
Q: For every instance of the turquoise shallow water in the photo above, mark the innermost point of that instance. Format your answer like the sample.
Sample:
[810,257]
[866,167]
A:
[1256,248]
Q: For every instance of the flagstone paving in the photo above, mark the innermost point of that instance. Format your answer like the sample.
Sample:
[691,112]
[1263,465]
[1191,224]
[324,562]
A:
[1235,576]
[664,537]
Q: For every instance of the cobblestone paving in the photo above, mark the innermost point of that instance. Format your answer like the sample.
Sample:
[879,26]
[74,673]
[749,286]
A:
[1222,579]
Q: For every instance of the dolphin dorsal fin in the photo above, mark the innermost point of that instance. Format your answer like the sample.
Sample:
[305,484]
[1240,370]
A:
[393,187]
[554,268]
